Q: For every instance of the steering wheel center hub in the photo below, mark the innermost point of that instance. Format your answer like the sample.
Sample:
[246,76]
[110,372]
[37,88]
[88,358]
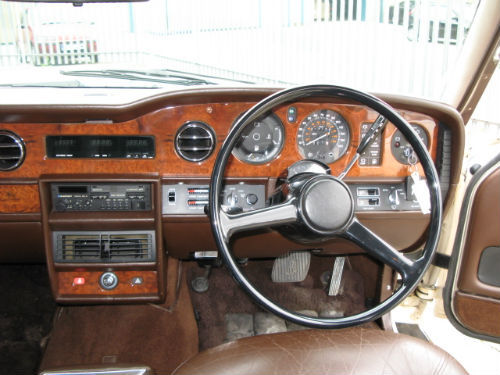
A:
[326,205]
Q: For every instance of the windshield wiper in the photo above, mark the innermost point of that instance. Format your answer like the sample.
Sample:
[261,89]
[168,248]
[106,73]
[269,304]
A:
[72,85]
[209,76]
[137,75]
[62,84]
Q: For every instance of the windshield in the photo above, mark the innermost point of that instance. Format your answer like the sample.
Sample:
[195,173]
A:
[401,47]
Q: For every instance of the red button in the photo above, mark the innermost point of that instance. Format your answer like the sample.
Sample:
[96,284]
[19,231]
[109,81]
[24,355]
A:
[79,281]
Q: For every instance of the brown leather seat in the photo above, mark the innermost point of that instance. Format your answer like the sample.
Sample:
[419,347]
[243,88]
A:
[348,351]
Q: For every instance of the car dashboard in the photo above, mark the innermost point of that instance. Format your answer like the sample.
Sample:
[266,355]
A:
[105,194]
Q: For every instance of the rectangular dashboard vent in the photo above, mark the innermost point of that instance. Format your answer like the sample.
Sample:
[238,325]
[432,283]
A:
[104,247]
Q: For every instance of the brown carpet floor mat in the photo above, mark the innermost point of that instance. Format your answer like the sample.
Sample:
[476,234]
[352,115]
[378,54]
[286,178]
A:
[225,296]
[26,312]
[159,336]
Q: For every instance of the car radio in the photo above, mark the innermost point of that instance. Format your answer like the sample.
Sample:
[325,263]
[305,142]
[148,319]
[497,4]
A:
[101,197]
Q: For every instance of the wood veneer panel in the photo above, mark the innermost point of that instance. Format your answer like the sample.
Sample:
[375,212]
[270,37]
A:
[92,287]
[19,199]
[164,123]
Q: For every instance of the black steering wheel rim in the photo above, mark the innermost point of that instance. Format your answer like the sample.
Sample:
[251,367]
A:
[299,93]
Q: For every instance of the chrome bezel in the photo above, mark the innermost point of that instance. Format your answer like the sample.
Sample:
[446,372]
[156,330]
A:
[22,148]
[241,156]
[210,135]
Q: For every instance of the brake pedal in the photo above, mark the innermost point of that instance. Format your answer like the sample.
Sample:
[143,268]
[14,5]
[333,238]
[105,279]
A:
[292,267]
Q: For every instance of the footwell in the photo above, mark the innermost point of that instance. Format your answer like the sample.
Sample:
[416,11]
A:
[225,312]
[26,315]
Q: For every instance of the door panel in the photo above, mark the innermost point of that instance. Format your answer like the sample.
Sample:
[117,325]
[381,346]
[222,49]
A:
[472,292]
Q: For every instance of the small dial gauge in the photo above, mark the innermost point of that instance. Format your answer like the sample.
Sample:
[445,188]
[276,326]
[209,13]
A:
[401,148]
[260,141]
[323,135]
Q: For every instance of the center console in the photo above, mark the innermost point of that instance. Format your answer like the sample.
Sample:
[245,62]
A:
[103,238]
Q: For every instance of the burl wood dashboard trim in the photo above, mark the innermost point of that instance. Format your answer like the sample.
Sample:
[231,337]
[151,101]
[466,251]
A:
[64,114]
[164,123]
[19,199]
[91,287]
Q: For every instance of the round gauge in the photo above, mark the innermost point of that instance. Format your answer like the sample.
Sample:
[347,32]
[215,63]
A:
[324,136]
[260,141]
[401,148]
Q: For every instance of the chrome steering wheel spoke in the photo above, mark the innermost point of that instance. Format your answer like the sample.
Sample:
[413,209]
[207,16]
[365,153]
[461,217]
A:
[280,214]
[379,249]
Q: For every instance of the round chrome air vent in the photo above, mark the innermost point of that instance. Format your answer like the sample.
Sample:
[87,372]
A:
[195,141]
[12,150]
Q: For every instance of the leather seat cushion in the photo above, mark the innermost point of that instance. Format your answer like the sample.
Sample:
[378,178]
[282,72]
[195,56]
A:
[347,351]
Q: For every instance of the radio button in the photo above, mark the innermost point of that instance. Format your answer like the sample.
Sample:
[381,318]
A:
[138,205]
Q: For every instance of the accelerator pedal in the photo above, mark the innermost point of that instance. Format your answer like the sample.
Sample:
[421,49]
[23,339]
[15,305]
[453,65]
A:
[292,267]
[338,270]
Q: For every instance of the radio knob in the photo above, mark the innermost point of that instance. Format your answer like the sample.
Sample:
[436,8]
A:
[60,206]
[108,280]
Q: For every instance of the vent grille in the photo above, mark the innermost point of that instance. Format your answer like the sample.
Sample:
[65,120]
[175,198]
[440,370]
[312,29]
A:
[114,247]
[12,151]
[195,141]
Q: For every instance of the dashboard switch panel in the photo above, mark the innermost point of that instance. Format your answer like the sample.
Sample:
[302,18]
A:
[383,197]
[182,199]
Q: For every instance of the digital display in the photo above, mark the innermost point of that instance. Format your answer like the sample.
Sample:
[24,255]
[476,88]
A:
[100,146]
[101,142]
[73,189]
[137,142]
[65,142]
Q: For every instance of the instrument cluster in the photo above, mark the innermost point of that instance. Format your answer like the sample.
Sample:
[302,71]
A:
[324,135]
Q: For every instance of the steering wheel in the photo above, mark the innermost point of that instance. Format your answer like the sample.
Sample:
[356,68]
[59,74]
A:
[322,207]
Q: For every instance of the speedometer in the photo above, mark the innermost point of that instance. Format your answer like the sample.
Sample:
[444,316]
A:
[323,135]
